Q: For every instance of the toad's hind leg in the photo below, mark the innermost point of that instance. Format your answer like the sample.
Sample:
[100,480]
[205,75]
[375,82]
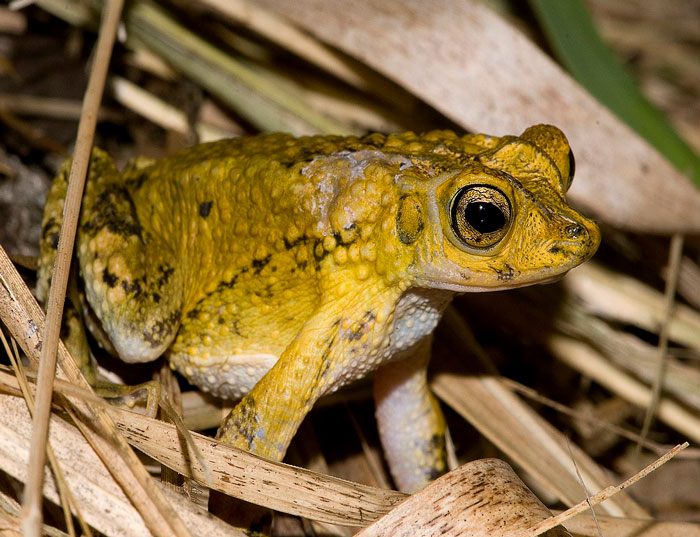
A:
[411,424]
[129,280]
[73,327]
[132,281]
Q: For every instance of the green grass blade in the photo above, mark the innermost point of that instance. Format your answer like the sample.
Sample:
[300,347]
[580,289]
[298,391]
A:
[574,39]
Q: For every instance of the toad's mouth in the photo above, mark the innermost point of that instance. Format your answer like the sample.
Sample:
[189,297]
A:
[547,264]
[504,280]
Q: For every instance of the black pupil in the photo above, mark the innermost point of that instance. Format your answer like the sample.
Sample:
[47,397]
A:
[484,217]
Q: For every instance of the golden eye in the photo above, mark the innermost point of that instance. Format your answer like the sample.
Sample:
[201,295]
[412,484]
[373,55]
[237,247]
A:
[480,215]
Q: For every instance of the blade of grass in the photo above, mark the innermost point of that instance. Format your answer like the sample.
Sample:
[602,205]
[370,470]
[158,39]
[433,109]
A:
[658,385]
[289,37]
[603,495]
[102,502]
[575,41]
[593,365]
[268,101]
[25,321]
[31,503]
[66,495]
[468,387]
[159,112]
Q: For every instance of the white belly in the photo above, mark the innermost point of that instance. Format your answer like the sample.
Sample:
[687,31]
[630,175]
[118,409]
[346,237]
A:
[232,376]
[417,314]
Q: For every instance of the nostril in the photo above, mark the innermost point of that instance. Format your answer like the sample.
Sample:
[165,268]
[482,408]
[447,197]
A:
[575,230]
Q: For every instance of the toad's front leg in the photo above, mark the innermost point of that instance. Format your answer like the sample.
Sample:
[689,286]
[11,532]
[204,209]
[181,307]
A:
[334,344]
[267,418]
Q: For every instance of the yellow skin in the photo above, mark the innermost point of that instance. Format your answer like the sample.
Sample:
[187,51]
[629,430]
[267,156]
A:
[279,269]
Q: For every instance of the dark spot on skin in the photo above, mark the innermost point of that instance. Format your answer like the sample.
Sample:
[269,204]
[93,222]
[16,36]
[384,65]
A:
[137,181]
[229,284]
[50,232]
[65,331]
[234,324]
[506,274]
[350,234]
[51,222]
[296,242]
[302,163]
[365,324]
[289,163]
[165,273]
[433,473]
[110,279]
[259,264]
[70,315]
[109,212]
[132,287]
[301,265]
[330,340]
[156,298]
[436,444]
[326,366]
[242,422]
[205,208]
[319,251]
[235,327]
[161,330]
[328,344]
[339,239]
[264,294]
[354,335]
[554,250]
